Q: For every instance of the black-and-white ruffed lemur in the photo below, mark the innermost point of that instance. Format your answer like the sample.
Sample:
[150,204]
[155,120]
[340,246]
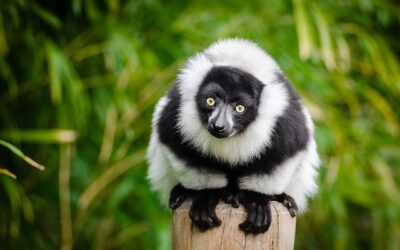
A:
[232,128]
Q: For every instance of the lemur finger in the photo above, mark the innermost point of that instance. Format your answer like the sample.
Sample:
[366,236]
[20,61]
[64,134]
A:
[191,213]
[288,202]
[259,225]
[213,216]
[293,212]
[251,216]
[204,219]
[256,226]
[194,213]
[267,217]
[293,209]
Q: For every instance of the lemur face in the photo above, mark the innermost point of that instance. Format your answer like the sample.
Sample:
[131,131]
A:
[228,101]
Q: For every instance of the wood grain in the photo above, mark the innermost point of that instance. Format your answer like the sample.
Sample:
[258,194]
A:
[187,236]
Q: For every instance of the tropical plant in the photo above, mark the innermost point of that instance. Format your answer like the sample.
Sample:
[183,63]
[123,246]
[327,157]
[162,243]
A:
[80,80]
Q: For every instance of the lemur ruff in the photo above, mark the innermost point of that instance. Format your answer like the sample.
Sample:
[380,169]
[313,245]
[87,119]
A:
[232,128]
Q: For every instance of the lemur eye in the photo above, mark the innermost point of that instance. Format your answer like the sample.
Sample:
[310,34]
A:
[210,101]
[240,108]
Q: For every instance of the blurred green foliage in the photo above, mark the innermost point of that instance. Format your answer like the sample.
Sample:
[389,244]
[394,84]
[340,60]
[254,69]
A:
[79,80]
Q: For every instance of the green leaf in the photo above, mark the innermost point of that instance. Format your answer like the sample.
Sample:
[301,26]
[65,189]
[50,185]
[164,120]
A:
[7,172]
[41,136]
[19,153]
[47,16]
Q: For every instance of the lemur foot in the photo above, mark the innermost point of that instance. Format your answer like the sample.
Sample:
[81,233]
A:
[288,202]
[258,210]
[178,195]
[230,198]
[203,207]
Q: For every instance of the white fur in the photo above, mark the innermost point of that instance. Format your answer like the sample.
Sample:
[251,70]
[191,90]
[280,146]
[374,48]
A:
[160,173]
[194,178]
[296,176]
[166,170]
[274,99]
[277,181]
[227,114]
[303,183]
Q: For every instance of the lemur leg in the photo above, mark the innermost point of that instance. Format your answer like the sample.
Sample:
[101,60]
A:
[258,210]
[230,194]
[288,202]
[230,198]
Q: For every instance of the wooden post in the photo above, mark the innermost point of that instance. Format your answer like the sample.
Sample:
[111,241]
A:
[228,236]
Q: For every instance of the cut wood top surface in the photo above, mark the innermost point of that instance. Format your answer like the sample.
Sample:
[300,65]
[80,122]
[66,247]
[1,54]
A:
[187,236]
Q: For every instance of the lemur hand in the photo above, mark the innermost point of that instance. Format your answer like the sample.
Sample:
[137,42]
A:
[258,210]
[203,207]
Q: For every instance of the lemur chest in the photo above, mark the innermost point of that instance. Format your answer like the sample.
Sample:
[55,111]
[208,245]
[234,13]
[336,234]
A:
[193,159]
[263,165]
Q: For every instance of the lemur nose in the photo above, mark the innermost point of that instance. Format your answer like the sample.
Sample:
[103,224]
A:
[218,128]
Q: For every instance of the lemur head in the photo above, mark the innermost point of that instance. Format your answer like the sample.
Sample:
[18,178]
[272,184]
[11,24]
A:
[228,100]
[230,91]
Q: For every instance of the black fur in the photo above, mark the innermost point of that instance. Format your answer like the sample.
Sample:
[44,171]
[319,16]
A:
[178,195]
[290,136]
[233,87]
[202,212]
[288,202]
[257,206]
[258,211]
